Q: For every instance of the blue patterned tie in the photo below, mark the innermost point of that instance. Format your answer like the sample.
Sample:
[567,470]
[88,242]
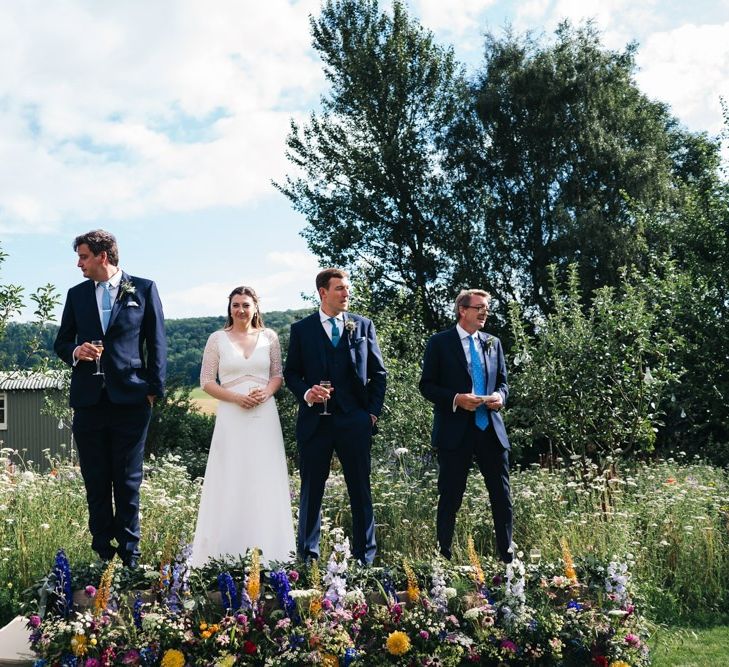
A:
[479,384]
[335,332]
[105,305]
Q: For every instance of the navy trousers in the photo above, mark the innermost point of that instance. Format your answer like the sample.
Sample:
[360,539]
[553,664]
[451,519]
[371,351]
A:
[493,462]
[350,436]
[110,442]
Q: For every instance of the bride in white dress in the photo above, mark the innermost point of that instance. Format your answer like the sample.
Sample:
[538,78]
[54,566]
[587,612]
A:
[245,500]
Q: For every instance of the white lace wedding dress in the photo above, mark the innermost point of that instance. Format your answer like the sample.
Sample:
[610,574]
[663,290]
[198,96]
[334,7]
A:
[245,499]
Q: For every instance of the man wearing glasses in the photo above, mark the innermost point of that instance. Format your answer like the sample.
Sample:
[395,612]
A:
[464,376]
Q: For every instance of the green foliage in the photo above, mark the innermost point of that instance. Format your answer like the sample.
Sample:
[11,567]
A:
[376,186]
[570,146]
[590,381]
[178,428]
[43,512]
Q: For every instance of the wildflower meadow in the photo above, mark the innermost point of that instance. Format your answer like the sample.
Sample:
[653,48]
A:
[604,555]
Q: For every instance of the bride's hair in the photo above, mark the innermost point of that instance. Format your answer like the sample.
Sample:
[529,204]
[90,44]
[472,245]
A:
[257,319]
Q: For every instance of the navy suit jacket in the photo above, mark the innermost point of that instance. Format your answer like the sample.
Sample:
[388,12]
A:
[306,365]
[445,374]
[134,360]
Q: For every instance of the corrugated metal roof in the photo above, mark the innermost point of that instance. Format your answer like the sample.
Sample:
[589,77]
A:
[23,380]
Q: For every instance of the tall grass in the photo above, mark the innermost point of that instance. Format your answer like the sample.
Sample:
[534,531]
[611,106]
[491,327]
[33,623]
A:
[670,519]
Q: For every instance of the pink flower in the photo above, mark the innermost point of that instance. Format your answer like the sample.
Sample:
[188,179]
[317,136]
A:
[424,634]
[508,645]
[34,621]
[90,591]
[131,657]
[326,603]
[632,640]
[293,576]
[92,662]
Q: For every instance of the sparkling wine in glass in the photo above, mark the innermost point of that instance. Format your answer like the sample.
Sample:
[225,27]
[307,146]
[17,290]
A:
[327,384]
[99,345]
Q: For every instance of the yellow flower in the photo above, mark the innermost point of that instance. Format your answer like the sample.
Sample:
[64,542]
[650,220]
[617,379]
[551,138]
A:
[78,645]
[398,643]
[478,576]
[226,661]
[104,592]
[413,590]
[315,606]
[329,660]
[203,626]
[254,577]
[173,658]
[569,566]
[619,663]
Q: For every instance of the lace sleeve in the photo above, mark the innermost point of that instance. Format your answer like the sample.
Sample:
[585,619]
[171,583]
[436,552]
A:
[210,361]
[276,369]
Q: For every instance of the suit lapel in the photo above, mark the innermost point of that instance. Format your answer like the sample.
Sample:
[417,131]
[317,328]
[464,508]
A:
[457,346]
[348,340]
[319,335]
[92,303]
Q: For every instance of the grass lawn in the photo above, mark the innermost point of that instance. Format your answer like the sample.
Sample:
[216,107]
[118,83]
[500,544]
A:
[197,392]
[684,647]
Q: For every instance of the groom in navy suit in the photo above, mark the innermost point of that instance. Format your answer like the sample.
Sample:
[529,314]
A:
[464,376]
[111,412]
[342,348]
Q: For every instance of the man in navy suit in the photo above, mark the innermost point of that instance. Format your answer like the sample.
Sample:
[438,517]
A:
[334,345]
[464,376]
[111,412]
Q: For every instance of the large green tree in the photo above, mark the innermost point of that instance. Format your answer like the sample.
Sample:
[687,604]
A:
[373,176]
[571,152]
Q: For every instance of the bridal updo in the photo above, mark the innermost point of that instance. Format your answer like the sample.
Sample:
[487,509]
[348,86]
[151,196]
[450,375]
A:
[257,319]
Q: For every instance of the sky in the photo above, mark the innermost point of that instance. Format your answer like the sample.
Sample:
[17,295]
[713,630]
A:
[165,122]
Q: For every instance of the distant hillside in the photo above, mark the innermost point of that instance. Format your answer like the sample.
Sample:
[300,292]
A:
[185,341]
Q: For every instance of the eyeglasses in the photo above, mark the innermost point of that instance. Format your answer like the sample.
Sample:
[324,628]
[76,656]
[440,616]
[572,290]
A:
[479,309]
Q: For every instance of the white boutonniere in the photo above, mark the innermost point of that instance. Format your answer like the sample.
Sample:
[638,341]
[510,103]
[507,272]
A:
[126,288]
[487,344]
[350,326]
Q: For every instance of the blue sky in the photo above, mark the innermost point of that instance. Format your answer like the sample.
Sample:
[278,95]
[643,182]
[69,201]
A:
[164,122]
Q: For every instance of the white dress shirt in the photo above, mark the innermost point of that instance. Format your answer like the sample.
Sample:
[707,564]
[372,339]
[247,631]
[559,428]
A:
[464,336]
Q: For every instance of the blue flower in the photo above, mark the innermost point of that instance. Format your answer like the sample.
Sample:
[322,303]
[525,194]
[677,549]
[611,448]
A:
[350,655]
[573,604]
[282,588]
[62,573]
[228,591]
[137,611]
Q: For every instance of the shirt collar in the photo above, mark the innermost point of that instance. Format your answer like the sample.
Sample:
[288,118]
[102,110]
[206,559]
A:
[325,318]
[113,281]
[462,333]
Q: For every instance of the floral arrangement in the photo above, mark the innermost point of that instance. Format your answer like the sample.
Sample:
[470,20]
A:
[480,613]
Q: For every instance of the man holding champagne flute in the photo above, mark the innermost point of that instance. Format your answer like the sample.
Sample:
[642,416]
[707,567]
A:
[112,394]
[335,368]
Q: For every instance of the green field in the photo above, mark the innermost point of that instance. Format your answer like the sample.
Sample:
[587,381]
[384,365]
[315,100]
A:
[683,647]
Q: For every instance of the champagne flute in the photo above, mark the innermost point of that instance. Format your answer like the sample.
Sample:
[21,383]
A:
[326,384]
[99,345]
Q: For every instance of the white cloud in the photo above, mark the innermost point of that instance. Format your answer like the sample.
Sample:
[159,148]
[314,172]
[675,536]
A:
[92,94]
[279,282]
[689,68]
[455,16]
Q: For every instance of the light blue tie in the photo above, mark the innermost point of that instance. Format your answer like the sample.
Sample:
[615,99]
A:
[335,332]
[105,305]
[479,385]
